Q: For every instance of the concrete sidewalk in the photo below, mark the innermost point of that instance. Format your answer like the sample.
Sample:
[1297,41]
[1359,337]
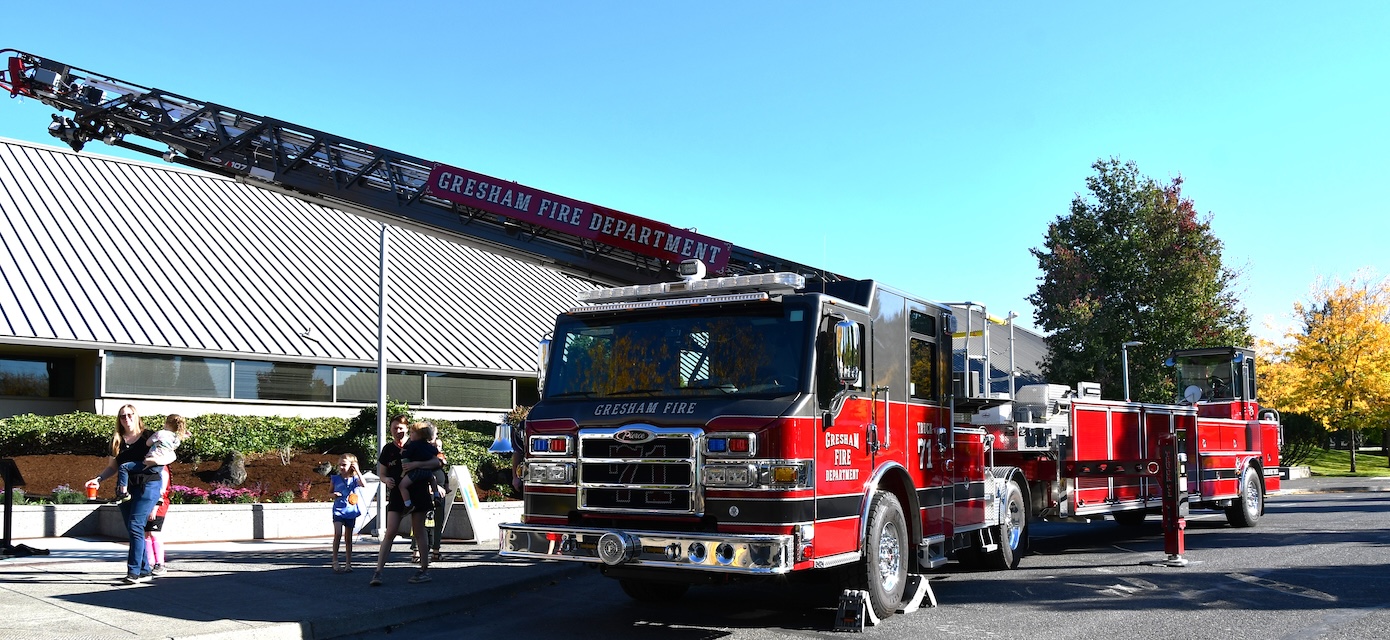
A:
[1323,484]
[261,589]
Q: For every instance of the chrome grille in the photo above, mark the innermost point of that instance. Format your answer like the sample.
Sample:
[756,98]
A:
[638,468]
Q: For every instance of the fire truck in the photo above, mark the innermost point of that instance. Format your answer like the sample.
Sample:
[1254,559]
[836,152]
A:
[712,429]
[769,420]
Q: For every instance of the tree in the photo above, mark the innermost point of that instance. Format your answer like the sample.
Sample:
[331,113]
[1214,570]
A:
[1133,261]
[1341,357]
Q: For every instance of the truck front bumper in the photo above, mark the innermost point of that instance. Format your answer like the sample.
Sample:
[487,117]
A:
[747,554]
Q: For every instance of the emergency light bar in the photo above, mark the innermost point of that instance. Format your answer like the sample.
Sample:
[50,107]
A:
[771,284]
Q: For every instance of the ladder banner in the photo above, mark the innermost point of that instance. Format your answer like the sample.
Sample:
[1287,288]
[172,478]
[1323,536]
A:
[607,226]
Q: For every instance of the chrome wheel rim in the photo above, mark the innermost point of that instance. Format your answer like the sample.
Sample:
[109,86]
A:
[889,558]
[1013,524]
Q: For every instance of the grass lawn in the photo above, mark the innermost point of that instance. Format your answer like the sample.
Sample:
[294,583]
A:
[1337,462]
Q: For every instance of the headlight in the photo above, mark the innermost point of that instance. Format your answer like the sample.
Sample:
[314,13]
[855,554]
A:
[550,472]
[729,475]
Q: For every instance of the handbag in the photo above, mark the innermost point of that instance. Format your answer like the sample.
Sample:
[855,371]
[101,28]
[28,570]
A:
[352,507]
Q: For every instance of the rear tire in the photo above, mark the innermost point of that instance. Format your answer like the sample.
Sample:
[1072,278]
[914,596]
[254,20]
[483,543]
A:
[883,571]
[653,592]
[1011,533]
[1246,510]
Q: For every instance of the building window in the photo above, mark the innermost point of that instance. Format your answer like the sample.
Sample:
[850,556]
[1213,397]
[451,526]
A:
[283,381]
[360,385]
[453,390]
[37,378]
[192,377]
[156,375]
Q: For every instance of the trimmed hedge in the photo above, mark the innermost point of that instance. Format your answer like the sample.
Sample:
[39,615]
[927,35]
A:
[216,435]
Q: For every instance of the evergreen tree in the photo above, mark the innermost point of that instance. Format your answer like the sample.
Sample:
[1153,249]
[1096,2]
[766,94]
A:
[1132,262]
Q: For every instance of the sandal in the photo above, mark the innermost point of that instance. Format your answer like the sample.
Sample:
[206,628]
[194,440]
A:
[436,556]
[376,579]
[415,556]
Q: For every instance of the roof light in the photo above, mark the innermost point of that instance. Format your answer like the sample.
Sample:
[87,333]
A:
[770,283]
[691,270]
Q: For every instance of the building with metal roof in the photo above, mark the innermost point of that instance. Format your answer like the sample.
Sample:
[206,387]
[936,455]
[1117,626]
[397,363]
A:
[184,292]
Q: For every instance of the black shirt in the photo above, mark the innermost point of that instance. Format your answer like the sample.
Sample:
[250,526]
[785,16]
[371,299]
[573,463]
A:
[391,458]
[135,452]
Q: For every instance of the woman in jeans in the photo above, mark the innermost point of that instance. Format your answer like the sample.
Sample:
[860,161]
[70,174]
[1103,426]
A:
[130,442]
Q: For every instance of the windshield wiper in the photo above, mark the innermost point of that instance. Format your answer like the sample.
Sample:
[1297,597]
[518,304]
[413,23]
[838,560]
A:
[634,391]
[726,388]
[586,394]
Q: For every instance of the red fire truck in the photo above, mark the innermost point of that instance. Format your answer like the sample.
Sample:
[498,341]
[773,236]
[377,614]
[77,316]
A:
[763,425]
[757,424]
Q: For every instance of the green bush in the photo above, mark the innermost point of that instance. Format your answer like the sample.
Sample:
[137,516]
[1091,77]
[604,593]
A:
[85,434]
[63,494]
[284,496]
[213,436]
[359,438]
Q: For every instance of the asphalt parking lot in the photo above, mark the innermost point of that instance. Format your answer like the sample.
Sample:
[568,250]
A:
[1314,567]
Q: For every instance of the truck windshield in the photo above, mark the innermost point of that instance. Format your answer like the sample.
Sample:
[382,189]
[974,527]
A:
[1206,378]
[755,350]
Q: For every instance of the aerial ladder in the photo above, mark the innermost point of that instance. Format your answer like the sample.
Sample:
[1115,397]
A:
[585,240]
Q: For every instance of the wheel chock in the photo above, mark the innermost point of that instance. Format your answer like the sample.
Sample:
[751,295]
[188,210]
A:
[854,612]
[917,588]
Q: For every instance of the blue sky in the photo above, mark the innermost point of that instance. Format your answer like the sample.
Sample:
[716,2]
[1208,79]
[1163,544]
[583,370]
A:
[921,144]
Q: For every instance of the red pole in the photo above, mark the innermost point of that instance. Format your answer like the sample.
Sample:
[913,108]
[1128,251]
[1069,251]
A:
[1174,500]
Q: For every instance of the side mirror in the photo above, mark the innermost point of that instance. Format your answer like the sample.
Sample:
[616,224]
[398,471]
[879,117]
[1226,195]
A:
[849,357]
[544,356]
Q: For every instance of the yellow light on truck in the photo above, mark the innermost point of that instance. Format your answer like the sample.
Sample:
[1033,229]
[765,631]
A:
[784,475]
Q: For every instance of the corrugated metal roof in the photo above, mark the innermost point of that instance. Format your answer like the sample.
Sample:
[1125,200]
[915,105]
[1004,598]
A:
[119,254]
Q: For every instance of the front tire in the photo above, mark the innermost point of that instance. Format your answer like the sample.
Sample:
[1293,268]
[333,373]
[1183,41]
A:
[883,572]
[1245,512]
[1011,533]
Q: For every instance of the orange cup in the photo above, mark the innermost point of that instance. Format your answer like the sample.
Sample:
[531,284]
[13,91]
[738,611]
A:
[91,492]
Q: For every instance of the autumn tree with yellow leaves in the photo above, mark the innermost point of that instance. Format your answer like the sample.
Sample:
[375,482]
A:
[1336,365]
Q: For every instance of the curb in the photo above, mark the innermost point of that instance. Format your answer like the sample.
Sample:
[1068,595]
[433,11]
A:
[1367,489]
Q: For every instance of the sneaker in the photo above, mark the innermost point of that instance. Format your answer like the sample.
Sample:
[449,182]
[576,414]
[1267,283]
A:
[409,509]
[122,497]
[376,580]
[132,578]
[158,570]
[420,576]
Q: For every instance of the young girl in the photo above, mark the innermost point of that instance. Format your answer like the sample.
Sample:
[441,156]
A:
[347,505]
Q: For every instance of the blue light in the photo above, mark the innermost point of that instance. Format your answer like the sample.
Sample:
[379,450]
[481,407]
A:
[540,445]
[717,445]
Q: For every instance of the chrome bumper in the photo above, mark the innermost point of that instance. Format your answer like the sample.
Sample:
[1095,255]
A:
[747,554]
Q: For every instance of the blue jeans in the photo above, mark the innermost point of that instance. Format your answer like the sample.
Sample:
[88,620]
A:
[124,470]
[136,513]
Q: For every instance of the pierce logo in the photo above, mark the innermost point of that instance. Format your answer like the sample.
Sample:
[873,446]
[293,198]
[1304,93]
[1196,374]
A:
[633,436]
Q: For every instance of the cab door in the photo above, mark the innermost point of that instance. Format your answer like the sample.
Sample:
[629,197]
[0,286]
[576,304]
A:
[928,366]
[844,459]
